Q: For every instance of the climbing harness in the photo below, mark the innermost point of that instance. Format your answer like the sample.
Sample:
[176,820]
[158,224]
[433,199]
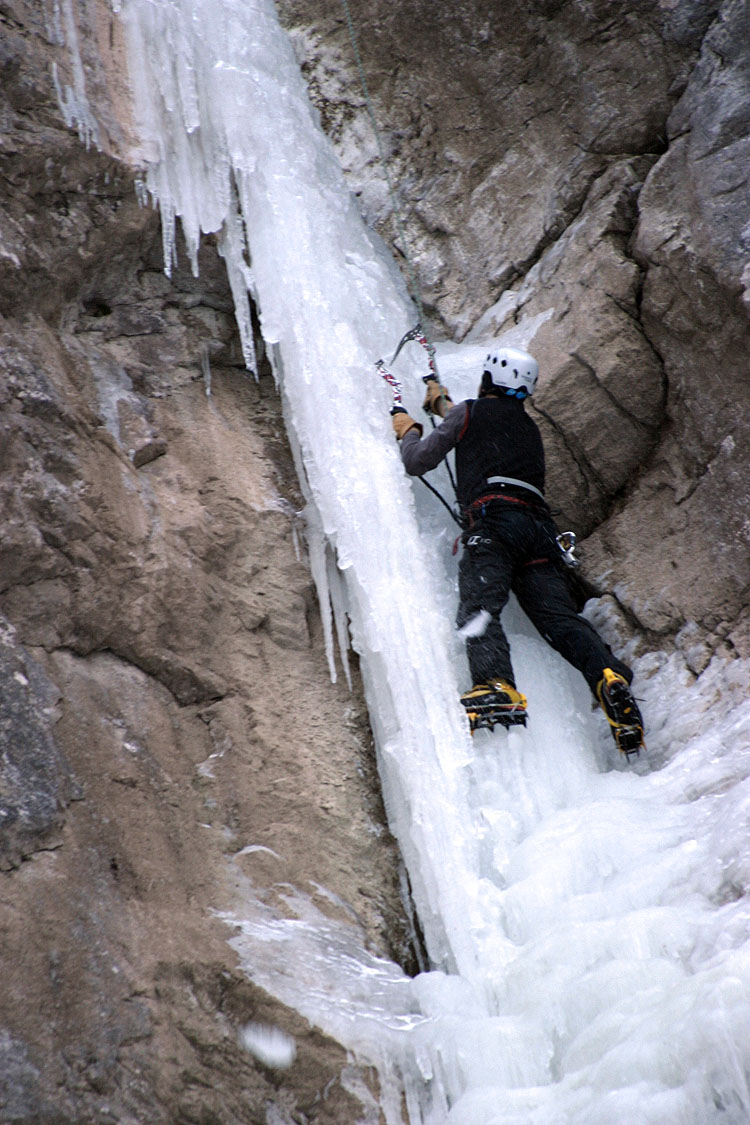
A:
[518,484]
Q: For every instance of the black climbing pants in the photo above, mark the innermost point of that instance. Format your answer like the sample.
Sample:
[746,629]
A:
[513,548]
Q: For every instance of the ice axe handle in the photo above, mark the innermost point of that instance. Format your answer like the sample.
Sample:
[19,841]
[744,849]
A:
[427,379]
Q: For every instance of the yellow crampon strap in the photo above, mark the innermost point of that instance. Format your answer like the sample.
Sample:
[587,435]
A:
[608,678]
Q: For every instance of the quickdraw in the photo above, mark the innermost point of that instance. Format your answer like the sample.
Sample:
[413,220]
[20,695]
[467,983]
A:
[417,333]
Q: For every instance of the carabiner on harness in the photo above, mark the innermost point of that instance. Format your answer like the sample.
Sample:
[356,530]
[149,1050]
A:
[566,541]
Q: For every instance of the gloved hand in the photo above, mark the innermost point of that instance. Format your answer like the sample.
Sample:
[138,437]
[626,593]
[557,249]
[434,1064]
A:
[437,400]
[403,422]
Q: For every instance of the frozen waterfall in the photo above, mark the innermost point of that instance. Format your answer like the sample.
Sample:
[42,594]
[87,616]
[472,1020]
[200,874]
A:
[586,922]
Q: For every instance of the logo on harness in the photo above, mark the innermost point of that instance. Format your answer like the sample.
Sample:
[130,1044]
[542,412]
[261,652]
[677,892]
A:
[478,541]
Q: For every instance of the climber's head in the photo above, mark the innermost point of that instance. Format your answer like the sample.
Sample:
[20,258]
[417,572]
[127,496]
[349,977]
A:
[509,371]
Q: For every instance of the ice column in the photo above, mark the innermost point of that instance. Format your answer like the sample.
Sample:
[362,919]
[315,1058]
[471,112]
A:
[236,149]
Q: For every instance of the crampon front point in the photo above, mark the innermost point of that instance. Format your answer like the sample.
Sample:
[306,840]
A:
[629,740]
[493,718]
[496,704]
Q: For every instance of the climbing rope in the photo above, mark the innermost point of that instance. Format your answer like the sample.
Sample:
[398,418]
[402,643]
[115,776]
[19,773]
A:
[412,283]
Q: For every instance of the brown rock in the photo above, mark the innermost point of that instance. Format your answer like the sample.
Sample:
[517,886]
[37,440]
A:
[679,550]
[167,702]
[495,126]
[600,397]
[149,566]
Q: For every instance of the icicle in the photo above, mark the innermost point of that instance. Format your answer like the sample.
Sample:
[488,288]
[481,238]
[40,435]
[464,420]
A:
[232,247]
[337,595]
[73,100]
[317,550]
[206,369]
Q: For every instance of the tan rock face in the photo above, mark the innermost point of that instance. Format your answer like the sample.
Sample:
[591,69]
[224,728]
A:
[578,174]
[169,733]
[601,395]
[496,121]
[679,549]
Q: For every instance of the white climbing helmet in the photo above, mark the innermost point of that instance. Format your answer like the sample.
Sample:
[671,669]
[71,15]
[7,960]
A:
[512,370]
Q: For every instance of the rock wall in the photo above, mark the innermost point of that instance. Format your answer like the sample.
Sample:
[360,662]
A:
[577,173]
[687,558]
[169,732]
[573,171]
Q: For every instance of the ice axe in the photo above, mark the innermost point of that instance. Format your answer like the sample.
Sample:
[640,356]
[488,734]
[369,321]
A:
[417,333]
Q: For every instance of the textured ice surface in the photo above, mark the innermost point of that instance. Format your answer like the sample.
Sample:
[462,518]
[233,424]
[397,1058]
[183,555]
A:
[587,922]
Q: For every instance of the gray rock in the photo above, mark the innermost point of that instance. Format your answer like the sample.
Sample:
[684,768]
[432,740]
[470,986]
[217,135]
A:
[148,555]
[19,1082]
[600,400]
[495,125]
[680,548]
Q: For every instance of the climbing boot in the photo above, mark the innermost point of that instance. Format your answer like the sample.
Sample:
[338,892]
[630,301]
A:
[622,712]
[492,703]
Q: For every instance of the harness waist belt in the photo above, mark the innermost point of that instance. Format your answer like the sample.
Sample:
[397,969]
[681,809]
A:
[517,484]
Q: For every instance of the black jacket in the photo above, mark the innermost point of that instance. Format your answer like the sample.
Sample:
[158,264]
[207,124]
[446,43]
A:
[492,436]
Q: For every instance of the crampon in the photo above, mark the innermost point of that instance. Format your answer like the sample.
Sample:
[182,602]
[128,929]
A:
[622,713]
[494,704]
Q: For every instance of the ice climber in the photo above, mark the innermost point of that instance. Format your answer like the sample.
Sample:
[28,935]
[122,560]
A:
[509,543]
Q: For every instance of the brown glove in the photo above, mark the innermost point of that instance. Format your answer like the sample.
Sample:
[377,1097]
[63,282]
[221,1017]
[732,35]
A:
[437,400]
[402,423]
